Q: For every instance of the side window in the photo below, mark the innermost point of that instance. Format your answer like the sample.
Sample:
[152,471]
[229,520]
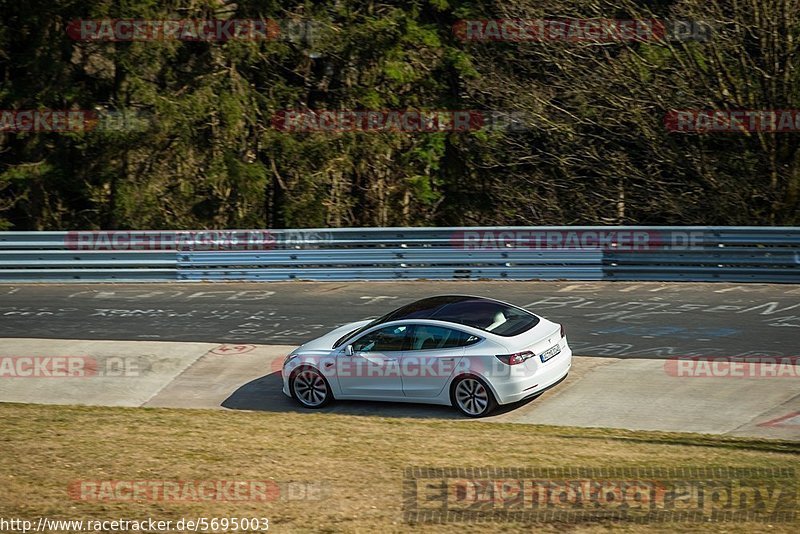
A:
[424,337]
[385,339]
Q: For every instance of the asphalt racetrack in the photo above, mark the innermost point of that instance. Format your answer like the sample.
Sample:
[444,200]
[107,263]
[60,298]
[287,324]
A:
[216,345]
[602,319]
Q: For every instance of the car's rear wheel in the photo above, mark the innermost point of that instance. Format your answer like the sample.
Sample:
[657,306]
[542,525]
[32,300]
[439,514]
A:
[472,397]
[310,388]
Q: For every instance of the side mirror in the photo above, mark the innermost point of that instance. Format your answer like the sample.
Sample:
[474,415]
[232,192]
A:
[348,350]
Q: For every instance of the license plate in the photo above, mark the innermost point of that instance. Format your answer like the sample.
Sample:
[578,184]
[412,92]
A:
[550,353]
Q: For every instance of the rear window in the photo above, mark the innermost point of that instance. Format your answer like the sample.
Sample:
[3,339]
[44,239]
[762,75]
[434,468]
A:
[488,316]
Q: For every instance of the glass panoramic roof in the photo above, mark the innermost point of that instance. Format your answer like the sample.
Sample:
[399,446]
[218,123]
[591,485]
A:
[485,314]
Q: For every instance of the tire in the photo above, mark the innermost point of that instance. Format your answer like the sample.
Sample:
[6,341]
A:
[310,388]
[472,397]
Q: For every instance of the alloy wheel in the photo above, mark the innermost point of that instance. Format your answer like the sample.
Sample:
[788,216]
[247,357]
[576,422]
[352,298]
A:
[472,397]
[310,388]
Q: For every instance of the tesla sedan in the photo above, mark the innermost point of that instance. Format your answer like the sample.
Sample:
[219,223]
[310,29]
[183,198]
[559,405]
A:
[473,353]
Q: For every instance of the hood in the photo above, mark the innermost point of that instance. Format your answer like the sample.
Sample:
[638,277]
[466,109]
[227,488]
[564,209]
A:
[326,342]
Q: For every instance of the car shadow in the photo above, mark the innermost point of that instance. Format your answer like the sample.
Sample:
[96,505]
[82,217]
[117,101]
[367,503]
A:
[264,395]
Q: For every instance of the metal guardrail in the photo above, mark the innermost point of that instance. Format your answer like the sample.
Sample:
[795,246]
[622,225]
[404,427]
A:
[736,254]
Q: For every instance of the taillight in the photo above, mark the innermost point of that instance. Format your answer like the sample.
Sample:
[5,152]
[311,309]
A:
[516,358]
[563,332]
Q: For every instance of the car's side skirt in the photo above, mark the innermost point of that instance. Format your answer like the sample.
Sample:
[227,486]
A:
[411,400]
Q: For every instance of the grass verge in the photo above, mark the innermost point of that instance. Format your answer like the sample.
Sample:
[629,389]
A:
[360,461]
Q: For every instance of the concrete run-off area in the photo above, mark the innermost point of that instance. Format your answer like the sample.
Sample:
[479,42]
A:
[628,393]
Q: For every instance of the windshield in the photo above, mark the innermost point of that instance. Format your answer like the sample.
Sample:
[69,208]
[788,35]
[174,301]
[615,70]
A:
[354,333]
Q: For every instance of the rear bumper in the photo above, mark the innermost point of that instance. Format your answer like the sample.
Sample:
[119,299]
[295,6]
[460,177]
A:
[514,389]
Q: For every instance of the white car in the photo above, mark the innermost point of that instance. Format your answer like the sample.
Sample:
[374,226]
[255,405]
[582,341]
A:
[469,352]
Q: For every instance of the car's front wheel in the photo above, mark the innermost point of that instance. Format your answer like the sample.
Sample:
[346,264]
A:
[310,388]
[472,397]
